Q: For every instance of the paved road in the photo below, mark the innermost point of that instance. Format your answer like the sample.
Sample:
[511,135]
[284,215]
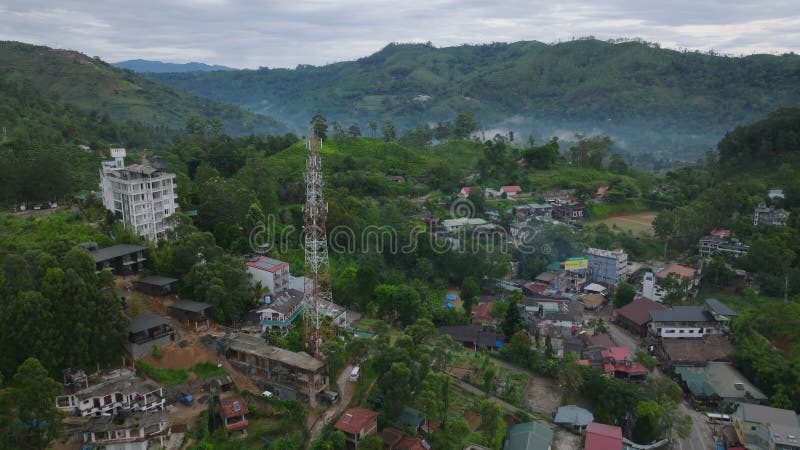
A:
[700,439]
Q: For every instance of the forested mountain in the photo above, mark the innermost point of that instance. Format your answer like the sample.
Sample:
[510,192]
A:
[648,99]
[146,66]
[95,87]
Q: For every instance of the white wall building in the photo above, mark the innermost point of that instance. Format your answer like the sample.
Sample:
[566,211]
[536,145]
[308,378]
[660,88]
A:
[607,266]
[271,273]
[144,196]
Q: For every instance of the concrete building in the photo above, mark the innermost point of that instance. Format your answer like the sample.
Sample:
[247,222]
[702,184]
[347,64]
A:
[765,428]
[141,195]
[233,412]
[138,431]
[147,331]
[682,322]
[711,245]
[124,392]
[271,273]
[122,259]
[652,284]
[290,375]
[279,311]
[764,215]
[607,266]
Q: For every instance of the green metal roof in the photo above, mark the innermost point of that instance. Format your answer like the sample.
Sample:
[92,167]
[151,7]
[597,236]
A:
[528,436]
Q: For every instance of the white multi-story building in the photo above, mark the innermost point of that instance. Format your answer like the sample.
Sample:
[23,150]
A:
[143,195]
[607,266]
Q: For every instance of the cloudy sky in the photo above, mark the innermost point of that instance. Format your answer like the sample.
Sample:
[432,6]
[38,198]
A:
[270,33]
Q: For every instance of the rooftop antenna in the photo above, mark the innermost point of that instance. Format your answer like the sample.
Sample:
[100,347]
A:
[317,269]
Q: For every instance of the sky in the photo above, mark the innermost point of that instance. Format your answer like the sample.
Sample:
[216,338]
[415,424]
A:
[251,34]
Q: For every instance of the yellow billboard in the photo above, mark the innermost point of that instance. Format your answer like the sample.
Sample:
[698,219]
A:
[576,263]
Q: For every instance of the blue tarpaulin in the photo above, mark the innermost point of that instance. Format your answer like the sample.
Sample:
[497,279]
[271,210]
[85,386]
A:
[448,304]
[450,297]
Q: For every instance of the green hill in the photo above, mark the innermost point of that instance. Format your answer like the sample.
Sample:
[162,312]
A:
[649,99]
[94,86]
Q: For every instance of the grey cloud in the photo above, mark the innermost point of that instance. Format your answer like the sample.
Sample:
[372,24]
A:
[273,33]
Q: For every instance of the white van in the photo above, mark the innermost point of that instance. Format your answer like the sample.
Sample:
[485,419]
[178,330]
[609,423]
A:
[355,373]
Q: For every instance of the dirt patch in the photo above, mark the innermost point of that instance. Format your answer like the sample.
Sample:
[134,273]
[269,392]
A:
[564,440]
[542,393]
[176,356]
[473,419]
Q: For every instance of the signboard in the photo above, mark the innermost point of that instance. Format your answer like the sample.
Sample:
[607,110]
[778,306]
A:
[576,263]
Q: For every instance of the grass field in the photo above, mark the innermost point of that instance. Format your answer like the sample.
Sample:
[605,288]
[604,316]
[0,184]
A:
[639,223]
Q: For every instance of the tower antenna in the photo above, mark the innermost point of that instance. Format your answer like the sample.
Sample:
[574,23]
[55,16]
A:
[317,269]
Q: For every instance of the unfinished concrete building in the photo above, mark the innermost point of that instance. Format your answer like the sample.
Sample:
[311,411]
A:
[138,431]
[289,375]
[123,393]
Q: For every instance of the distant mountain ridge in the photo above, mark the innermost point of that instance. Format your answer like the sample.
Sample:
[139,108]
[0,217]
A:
[95,87]
[149,66]
[649,99]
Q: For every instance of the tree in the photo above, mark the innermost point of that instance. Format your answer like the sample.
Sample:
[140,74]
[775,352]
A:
[395,385]
[511,321]
[222,282]
[373,127]
[36,419]
[624,295]
[319,126]
[646,360]
[649,416]
[569,376]
[421,330]
[435,397]
[543,156]
[389,132]
[490,419]
[354,130]
[469,293]
[465,125]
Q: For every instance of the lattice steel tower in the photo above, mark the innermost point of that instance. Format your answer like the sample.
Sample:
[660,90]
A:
[317,270]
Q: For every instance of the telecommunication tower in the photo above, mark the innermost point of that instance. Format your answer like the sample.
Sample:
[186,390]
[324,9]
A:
[317,269]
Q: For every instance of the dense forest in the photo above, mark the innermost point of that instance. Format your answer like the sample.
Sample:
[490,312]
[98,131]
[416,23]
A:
[97,88]
[649,99]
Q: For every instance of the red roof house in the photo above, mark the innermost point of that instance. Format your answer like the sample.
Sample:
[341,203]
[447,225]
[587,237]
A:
[636,315]
[465,191]
[603,437]
[677,269]
[718,232]
[601,191]
[482,313]
[510,191]
[357,423]
[233,411]
[617,362]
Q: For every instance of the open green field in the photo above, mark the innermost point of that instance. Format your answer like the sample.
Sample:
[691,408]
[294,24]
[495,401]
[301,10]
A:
[638,223]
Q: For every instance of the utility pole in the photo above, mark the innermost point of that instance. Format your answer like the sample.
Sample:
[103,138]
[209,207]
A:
[317,269]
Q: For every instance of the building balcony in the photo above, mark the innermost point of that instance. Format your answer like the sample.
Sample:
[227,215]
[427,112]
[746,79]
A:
[286,322]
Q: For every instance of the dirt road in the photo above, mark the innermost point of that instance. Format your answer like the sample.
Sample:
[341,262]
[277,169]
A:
[332,413]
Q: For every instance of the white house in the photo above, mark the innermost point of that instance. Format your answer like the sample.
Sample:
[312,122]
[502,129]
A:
[271,273]
[138,431]
[682,322]
[125,392]
[142,195]
[279,311]
[654,291]
[510,191]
